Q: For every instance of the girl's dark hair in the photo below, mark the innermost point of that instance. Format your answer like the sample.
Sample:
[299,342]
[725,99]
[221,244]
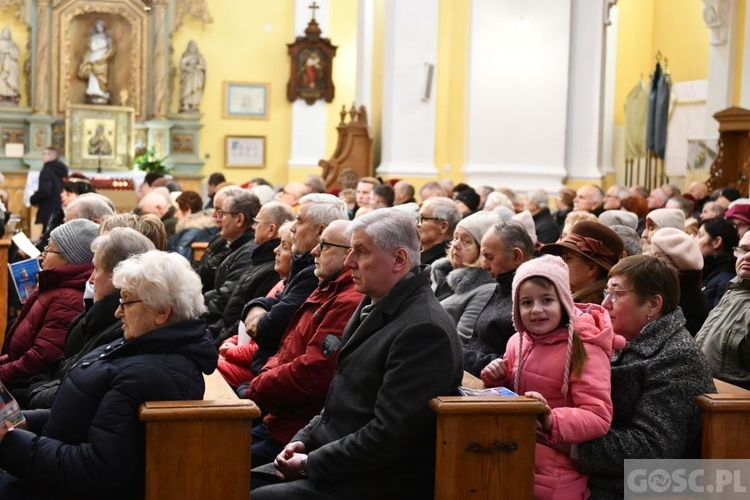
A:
[190,200]
[78,185]
[722,227]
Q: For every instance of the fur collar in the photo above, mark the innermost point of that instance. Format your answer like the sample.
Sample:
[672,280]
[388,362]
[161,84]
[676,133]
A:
[465,279]
[198,220]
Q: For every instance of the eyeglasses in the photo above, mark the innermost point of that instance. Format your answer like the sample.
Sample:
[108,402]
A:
[740,252]
[420,219]
[47,250]
[322,244]
[613,295]
[125,305]
[221,213]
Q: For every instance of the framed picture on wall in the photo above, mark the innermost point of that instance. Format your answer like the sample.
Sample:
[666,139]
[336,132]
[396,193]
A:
[245,151]
[99,137]
[246,100]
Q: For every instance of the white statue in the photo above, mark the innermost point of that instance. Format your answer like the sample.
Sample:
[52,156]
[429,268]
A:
[193,78]
[9,74]
[94,67]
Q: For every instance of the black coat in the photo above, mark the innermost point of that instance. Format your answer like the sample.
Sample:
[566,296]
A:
[546,227]
[693,302]
[434,253]
[257,281]
[272,325]
[718,270]
[47,195]
[91,443]
[493,329]
[206,268]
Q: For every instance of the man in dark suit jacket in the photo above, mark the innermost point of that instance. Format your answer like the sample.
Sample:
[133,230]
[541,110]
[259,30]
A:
[375,437]
[47,195]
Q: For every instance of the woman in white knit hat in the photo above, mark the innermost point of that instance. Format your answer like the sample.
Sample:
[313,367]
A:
[459,281]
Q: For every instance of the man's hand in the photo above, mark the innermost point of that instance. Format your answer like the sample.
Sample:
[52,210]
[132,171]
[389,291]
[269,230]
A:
[252,318]
[288,462]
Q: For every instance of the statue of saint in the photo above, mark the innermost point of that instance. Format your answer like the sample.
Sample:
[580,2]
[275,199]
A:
[193,78]
[9,74]
[94,67]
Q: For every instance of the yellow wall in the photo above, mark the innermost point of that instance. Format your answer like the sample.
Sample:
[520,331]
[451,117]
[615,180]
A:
[673,27]
[247,43]
[741,13]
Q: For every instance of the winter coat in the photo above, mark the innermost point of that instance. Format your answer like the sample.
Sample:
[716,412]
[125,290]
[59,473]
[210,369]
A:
[493,328]
[199,226]
[718,270]
[439,271]
[472,288]
[228,273]
[435,252]
[94,423]
[206,268]
[560,216]
[47,195]
[693,302]
[584,413]
[257,281]
[547,230]
[272,325]
[725,335]
[655,380]
[377,432]
[35,341]
[170,222]
[293,384]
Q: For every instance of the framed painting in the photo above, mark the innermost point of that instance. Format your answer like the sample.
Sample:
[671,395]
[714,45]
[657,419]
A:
[246,100]
[99,137]
[245,151]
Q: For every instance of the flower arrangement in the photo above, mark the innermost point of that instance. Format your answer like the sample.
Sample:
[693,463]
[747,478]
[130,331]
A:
[150,161]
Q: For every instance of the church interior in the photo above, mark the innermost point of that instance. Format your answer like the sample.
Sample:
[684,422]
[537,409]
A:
[501,93]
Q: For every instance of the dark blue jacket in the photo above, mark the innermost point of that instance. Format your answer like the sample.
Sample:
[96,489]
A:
[91,444]
[718,270]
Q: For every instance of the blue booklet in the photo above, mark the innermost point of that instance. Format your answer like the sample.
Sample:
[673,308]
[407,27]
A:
[492,391]
[24,274]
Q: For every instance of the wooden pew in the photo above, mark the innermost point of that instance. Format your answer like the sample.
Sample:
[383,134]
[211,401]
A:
[199,449]
[485,446]
[199,248]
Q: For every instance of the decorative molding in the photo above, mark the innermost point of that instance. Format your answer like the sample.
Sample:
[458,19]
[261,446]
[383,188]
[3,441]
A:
[195,9]
[716,17]
[18,5]
[608,4]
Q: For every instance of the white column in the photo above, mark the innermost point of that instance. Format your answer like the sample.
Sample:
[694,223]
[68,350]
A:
[745,89]
[608,112]
[583,152]
[408,120]
[719,16]
[365,36]
[308,122]
[517,88]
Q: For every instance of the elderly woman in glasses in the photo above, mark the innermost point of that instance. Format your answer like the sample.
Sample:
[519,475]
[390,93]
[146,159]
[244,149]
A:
[91,443]
[35,341]
[655,378]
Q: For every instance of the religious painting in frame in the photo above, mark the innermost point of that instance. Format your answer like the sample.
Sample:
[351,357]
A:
[311,65]
[246,100]
[245,151]
[99,137]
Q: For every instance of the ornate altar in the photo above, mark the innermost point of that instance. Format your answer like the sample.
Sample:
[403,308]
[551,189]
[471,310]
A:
[731,168]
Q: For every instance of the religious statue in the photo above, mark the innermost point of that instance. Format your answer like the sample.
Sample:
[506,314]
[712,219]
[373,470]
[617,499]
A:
[99,145]
[9,74]
[193,78]
[94,67]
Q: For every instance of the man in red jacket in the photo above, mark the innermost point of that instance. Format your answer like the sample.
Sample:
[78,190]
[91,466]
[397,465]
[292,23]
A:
[291,388]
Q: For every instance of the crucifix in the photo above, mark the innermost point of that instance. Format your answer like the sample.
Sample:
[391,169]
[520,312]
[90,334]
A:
[313,8]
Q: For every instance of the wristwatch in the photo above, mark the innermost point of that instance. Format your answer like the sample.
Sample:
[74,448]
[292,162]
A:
[303,468]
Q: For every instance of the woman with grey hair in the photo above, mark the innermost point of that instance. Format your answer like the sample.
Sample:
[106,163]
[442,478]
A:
[94,422]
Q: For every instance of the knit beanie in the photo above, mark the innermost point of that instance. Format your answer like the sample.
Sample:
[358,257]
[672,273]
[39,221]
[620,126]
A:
[74,239]
[619,218]
[468,197]
[553,269]
[680,247]
[527,221]
[667,217]
[477,224]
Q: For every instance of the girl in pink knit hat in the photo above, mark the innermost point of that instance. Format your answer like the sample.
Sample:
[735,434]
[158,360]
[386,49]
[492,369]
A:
[560,356]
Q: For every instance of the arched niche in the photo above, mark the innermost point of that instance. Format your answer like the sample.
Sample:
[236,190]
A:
[128,23]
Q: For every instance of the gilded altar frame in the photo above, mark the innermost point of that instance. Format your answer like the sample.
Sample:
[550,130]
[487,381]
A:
[81,121]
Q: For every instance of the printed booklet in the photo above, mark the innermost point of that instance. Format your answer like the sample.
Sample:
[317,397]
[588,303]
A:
[24,274]
[492,391]
[9,409]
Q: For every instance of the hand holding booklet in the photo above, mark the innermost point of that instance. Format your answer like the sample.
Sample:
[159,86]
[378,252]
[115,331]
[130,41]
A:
[9,409]
[492,391]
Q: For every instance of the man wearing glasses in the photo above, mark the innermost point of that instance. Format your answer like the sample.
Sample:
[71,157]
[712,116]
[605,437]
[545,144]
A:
[724,335]
[437,220]
[292,386]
